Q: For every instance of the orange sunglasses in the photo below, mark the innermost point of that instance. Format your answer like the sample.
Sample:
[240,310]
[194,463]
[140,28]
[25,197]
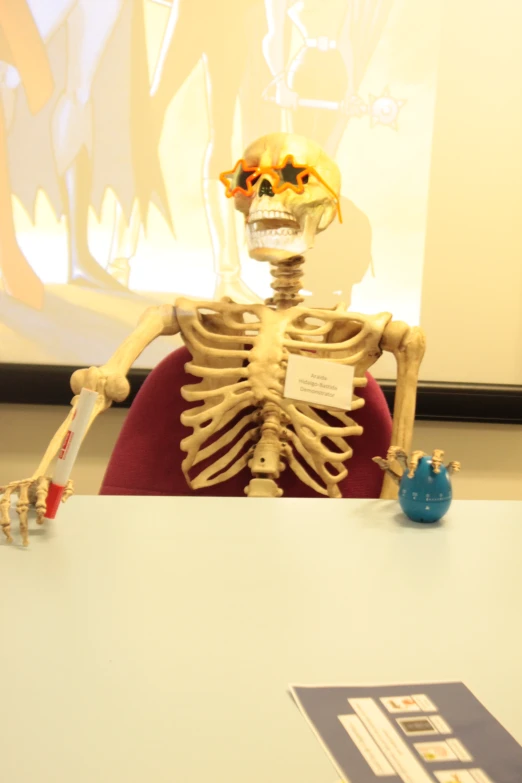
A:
[287,176]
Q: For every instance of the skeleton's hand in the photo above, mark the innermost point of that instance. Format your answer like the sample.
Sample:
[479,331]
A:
[385,465]
[453,467]
[31,492]
[110,386]
[394,455]
[410,464]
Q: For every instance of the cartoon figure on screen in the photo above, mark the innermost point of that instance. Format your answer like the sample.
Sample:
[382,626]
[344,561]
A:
[232,71]
[287,190]
[424,482]
[318,85]
[317,91]
[95,132]
[23,60]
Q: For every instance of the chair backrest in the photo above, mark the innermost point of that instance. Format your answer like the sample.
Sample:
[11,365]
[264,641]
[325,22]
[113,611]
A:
[147,457]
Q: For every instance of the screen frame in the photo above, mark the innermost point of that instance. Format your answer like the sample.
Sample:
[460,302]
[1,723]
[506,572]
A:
[32,384]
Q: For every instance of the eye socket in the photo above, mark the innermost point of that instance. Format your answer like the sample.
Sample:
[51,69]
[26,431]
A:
[241,181]
[245,179]
[289,174]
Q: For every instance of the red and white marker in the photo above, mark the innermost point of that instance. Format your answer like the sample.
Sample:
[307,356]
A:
[69,450]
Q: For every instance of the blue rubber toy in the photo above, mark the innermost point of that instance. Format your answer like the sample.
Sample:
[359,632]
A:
[427,496]
[425,491]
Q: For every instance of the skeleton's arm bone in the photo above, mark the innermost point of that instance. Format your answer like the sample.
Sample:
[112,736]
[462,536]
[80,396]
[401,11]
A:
[109,380]
[111,384]
[407,345]
[155,322]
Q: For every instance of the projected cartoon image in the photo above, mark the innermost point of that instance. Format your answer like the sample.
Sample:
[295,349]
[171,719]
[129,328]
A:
[95,132]
[117,117]
[19,38]
[319,83]
[231,72]
[316,83]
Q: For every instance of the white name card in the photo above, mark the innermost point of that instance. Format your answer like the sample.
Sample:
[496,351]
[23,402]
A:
[319,381]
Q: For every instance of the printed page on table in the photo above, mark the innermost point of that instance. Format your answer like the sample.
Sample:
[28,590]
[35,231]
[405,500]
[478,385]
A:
[409,733]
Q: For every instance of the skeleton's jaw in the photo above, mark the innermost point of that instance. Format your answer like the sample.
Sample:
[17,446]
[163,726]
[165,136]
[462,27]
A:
[274,235]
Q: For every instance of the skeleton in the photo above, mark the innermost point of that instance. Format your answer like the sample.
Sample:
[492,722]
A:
[288,190]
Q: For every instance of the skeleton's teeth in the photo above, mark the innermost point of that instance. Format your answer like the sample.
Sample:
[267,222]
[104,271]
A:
[272,237]
[270,215]
[264,228]
[273,231]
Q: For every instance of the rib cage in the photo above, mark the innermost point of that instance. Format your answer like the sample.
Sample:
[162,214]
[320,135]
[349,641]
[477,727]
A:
[240,352]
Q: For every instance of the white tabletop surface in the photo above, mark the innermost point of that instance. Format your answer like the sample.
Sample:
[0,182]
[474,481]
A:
[153,639]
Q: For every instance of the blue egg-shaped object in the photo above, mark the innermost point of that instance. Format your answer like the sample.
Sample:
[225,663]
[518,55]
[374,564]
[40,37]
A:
[427,496]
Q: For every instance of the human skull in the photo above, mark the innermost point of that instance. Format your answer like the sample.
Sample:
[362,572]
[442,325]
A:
[282,225]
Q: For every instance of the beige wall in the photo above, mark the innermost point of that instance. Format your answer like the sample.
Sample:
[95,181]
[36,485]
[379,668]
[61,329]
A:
[491,454]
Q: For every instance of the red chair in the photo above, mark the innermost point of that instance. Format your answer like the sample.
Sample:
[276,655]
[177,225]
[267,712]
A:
[147,457]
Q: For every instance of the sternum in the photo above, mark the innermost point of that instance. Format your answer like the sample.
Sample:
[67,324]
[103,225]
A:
[266,370]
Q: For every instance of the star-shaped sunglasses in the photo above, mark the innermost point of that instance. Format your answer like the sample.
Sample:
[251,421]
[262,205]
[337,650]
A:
[289,175]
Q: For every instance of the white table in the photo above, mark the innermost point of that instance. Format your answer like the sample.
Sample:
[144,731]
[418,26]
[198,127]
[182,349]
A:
[152,639]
